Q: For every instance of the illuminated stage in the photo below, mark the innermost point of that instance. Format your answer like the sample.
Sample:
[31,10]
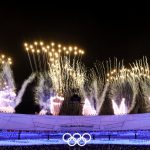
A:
[74,123]
[21,129]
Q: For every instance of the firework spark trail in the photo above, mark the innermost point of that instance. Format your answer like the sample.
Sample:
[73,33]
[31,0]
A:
[56,76]
[101,85]
[88,108]
[63,73]
[39,90]
[65,70]
[136,78]
[134,84]
[96,87]
[91,100]
[46,97]
[79,76]
[39,63]
[116,78]
[89,96]
[43,92]
[141,70]
[35,63]
[119,110]
[7,86]
[36,54]
[49,53]
[9,91]
[30,62]
[9,100]
[102,98]
[60,74]
[123,84]
[23,88]
[8,76]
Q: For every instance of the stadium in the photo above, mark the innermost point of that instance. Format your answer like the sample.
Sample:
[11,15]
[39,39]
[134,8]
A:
[73,78]
[71,110]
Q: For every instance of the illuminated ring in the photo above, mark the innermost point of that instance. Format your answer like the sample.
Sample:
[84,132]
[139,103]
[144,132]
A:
[84,139]
[68,138]
[77,139]
[88,135]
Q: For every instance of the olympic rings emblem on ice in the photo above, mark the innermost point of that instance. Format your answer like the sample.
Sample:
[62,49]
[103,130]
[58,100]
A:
[76,138]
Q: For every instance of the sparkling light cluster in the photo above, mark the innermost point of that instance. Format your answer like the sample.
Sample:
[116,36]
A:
[4,59]
[45,55]
[8,97]
[56,65]
[7,86]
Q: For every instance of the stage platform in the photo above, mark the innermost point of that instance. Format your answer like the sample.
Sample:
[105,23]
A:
[26,122]
[22,129]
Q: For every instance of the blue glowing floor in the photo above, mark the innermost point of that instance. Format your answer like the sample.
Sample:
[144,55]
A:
[53,141]
[49,138]
[20,129]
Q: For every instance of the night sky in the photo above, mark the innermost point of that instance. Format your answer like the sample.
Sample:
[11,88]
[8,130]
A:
[103,31]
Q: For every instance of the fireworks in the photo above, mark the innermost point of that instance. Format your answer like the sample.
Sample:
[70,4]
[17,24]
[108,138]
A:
[120,110]
[95,89]
[141,71]
[8,97]
[5,60]
[63,73]
[7,85]
[60,74]
[123,89]
[55,65]
[88,108]
[42,56]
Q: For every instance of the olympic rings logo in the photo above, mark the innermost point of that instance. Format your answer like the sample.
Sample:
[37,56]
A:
[76,138]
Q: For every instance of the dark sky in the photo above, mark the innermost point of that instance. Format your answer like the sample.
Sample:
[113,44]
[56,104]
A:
[103,30]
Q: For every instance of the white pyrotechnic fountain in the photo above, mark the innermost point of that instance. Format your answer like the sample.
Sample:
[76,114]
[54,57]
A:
[8,97]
